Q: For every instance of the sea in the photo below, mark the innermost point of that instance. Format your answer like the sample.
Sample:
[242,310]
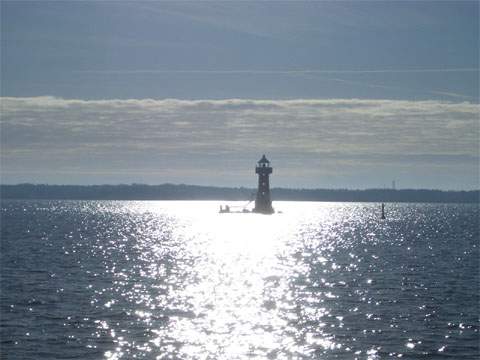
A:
[178,280]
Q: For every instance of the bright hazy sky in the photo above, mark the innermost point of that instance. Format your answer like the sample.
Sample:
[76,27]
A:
[336,94]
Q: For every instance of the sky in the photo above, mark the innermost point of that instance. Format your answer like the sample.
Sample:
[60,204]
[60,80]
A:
[337,94]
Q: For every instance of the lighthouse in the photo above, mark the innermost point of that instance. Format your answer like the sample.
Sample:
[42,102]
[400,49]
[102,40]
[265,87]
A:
[263,202]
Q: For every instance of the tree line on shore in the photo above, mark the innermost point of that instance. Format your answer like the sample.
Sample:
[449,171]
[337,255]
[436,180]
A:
[195,192]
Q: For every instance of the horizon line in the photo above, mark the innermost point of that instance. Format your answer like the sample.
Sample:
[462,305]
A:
[244,187]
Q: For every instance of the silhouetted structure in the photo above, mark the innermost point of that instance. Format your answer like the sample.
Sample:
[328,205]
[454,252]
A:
[383,211]
[263,202]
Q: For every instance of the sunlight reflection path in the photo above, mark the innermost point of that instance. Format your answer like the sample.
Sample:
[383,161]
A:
[229,286]
[241,298]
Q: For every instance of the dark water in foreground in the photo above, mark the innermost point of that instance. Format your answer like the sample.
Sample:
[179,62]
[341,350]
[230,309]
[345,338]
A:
[176,280]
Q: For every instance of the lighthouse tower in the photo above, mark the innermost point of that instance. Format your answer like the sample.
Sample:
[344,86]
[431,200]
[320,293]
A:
[263,203]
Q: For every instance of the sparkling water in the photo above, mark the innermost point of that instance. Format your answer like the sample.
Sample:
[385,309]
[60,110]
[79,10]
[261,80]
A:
[178,280]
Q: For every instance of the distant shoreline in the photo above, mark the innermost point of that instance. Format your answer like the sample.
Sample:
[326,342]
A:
[196,192]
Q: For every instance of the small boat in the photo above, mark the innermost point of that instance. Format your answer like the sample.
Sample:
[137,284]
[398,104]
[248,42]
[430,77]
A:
[225,209]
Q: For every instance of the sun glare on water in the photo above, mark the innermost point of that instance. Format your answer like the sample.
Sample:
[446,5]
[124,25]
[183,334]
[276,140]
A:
[309,282]
[178,280]
[239,285]
[235,299]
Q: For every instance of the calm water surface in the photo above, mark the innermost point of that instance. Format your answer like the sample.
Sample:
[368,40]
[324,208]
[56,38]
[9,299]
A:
[177,280]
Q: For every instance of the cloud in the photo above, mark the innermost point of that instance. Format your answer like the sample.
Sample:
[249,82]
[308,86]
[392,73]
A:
[143,134]
[284,72]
